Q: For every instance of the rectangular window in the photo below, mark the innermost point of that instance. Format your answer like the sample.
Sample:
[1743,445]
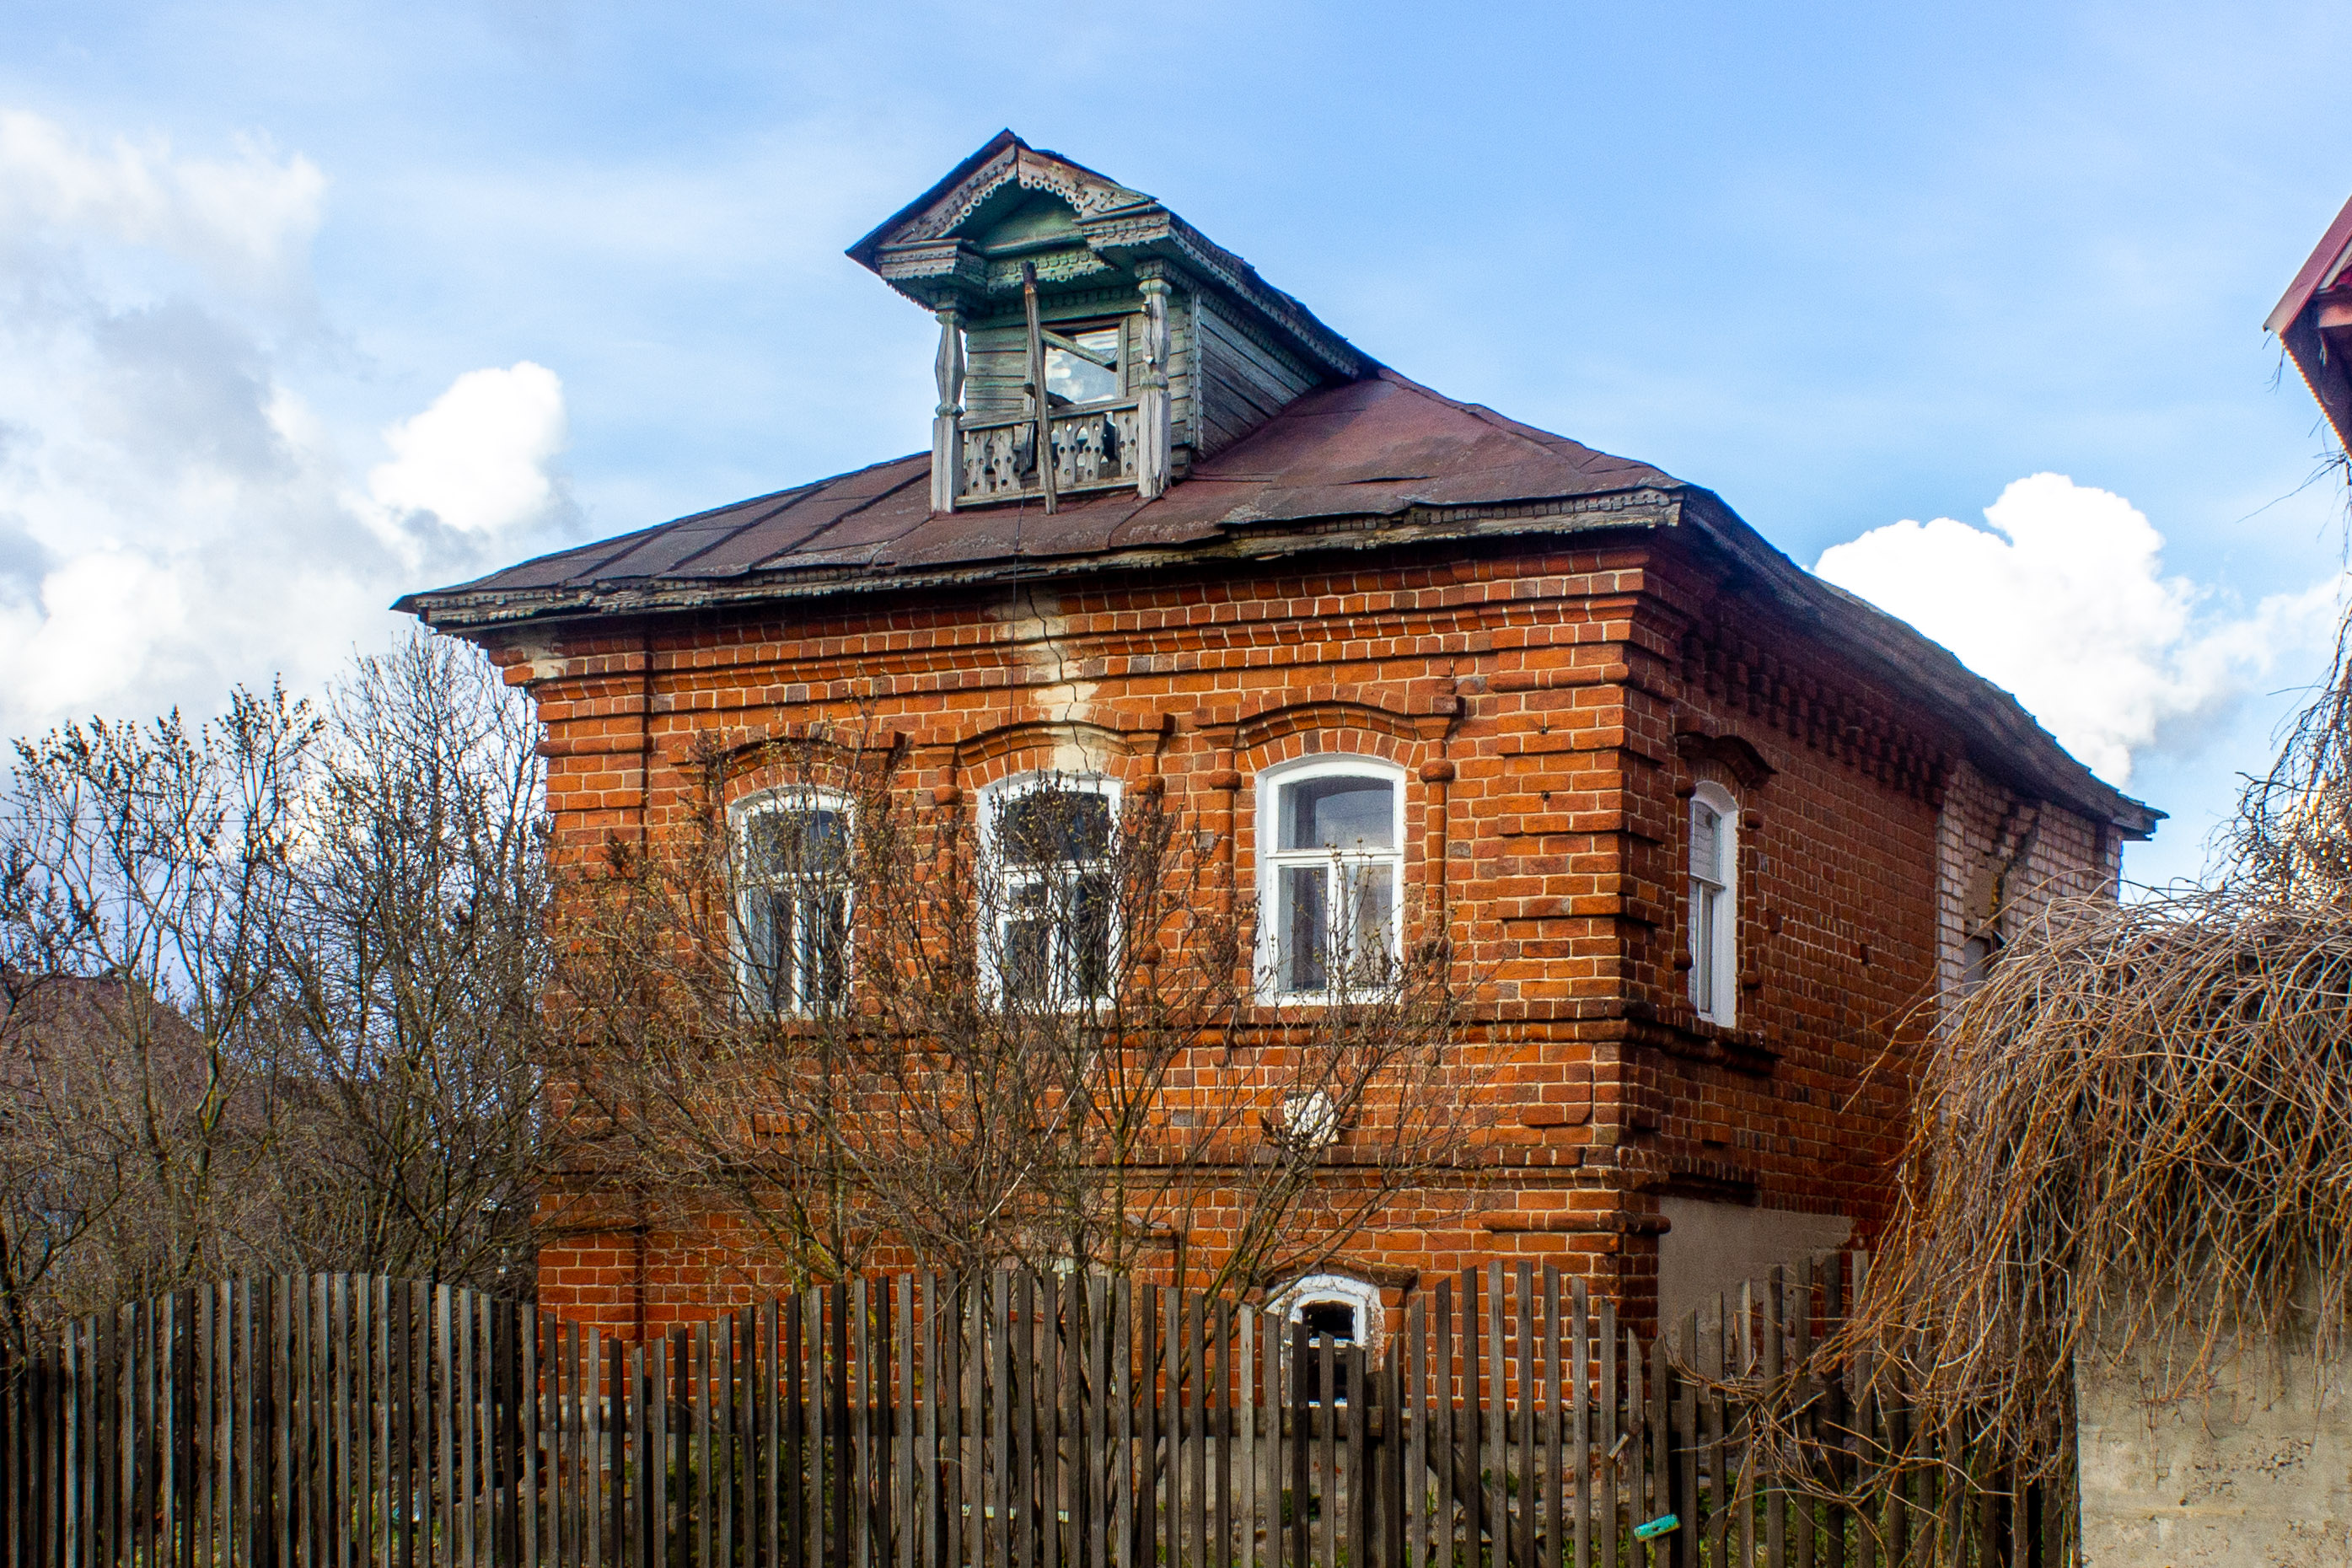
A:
[1335,866]
[795,904]
[1052,845]
[1712,905]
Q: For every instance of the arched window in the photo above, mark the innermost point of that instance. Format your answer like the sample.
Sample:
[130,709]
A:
[1331,871]
[1714,904]
[1334,1307]
[793,857]
[1051,927]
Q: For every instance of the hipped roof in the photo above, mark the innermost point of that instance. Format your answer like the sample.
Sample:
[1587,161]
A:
[1374,462]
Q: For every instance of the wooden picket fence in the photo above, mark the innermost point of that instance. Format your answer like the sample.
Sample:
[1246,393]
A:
[1018,1421]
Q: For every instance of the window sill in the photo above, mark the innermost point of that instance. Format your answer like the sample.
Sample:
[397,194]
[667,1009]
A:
[1680,1031]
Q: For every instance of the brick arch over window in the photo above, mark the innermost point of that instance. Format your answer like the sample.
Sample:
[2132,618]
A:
[1099,743]
[817,756]
[1270,725]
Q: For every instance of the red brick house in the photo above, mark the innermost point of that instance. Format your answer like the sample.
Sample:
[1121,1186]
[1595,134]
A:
[1709,829]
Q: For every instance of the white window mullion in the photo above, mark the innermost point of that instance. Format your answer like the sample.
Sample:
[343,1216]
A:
[1714,897]
[1331,835]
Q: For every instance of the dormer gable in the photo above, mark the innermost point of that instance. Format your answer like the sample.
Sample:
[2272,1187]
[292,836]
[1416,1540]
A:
[1153,347]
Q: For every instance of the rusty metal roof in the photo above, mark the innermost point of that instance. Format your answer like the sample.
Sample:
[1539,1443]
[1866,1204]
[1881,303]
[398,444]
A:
[1377,461]
[1370,448]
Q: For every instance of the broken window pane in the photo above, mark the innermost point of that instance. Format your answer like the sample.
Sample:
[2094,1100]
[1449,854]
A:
[1082,366]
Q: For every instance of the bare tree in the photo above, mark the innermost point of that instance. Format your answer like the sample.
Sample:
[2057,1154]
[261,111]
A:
[147,868]
[409,965]
[844,1021]
[270,989]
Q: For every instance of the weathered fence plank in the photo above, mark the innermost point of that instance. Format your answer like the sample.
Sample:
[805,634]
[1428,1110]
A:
[1009,1421]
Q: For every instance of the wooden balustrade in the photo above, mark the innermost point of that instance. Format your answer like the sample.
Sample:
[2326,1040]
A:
[1096,448]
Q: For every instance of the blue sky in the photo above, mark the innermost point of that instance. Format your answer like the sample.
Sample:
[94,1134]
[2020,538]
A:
[308,304]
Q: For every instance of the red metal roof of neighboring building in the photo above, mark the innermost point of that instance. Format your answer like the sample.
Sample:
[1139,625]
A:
[2318,272]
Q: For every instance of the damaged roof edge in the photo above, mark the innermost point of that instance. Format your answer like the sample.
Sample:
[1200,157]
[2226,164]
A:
[2007,742]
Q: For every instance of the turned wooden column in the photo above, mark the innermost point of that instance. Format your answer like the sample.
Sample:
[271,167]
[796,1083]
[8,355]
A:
[1153,407]
[947,420]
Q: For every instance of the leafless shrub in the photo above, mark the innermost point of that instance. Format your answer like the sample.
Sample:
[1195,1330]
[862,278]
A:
[268,991]
[856,1021]
[2132,1140]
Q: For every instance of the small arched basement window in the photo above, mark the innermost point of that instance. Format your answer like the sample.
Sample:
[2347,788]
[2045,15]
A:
[1337,1308]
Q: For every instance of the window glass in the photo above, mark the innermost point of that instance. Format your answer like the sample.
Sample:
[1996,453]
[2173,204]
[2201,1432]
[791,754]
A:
[1331,1319]
[1306,926]
[1707,839]
[1333,876]
[1082,366]
[799,841]
[795,905]
[1713,907]
[1343,813]
[1052,823]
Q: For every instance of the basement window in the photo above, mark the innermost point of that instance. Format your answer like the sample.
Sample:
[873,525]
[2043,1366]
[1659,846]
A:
[1336,1308]
[1713,902]
[793,902]
[1082,364]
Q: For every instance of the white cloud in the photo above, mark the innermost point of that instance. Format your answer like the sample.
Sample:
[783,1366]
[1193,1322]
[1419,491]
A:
[246,220]
[2064,601]
[477,458]
[175,514]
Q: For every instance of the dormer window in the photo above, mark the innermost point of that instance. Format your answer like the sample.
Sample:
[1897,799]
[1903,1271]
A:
[1082,364]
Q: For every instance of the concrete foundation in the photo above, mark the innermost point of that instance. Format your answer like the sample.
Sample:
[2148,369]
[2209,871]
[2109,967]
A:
[2254,1470]
[1712,1249]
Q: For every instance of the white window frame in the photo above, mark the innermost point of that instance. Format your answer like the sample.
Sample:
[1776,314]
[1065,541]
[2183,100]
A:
[994,799]
[1272,784]
[1713,922]
[750,884]
[1360,1295]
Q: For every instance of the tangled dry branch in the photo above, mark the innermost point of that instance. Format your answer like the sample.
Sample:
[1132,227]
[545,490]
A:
[2131,1140]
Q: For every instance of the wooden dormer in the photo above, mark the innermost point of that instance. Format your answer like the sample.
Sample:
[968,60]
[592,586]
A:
[1155,347]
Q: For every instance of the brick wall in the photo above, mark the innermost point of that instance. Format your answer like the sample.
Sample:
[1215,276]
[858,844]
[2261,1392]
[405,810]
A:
[1551,710]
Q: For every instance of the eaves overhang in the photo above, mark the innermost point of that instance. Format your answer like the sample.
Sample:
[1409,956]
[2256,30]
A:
[2001,738]
[2003,741]
[1245,540]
